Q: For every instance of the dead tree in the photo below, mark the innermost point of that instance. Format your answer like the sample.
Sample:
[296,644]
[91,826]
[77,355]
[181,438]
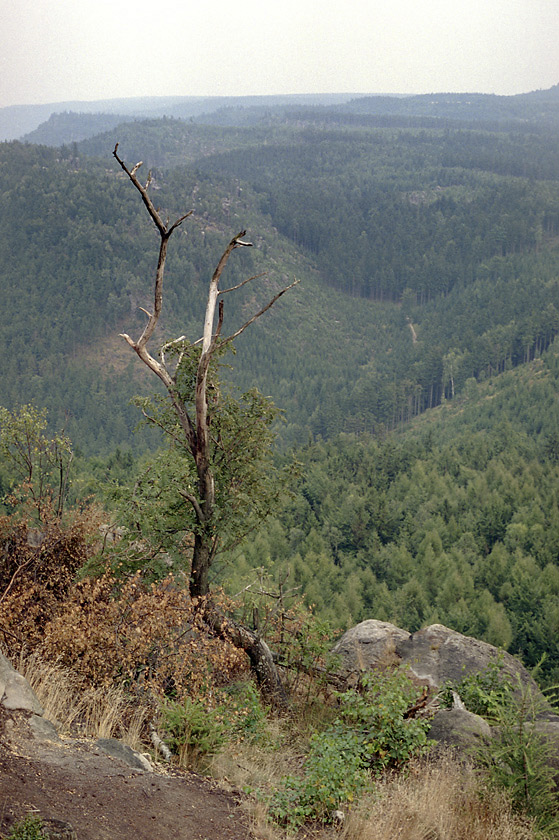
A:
[194,417]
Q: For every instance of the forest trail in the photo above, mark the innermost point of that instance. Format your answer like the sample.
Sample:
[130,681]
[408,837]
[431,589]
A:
[104,799]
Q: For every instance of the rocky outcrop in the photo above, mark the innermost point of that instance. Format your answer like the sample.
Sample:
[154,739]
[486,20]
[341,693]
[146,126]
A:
[435,655]
[16,695]
[369,644]
[124,753]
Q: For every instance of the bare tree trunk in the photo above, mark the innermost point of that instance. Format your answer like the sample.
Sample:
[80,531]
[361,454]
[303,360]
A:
[194,421]
[258,652]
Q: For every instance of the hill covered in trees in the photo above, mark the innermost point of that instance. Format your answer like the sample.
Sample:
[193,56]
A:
[428,257]
[452,520]
[428,254]
[417,366]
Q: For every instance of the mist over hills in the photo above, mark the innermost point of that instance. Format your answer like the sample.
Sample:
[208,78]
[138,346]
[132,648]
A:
[18,121]
[26,121]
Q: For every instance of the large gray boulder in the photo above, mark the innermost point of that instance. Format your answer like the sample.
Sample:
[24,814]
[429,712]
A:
[15,691]
[435,655]
[459,728]
[368,645]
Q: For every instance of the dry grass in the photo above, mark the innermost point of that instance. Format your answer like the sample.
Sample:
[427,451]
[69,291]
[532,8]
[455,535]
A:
[92,712]
[260,766]
[436,801]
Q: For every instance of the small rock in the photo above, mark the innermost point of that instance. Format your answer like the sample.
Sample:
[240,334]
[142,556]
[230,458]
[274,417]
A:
[15,691]
[116,749]
[58,829]
[459,728]
[43,729]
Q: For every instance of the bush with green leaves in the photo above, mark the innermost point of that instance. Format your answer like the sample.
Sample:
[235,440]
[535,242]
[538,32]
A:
[29,828]
[197,730]
[484,693]
[371,733]
[519,759]
[241,711]
[194,732]
[378,712]
[335,773]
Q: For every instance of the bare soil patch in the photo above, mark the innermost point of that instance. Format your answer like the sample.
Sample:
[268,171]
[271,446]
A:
[103,798]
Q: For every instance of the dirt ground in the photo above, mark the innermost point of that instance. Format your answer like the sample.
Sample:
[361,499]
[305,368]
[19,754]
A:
[103,798]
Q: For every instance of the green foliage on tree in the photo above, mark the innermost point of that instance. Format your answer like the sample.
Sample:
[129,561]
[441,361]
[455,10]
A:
[249,481]
[36,464]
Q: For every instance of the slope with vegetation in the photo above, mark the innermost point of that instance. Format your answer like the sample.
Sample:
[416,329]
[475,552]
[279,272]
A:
[417,366]
[428,256]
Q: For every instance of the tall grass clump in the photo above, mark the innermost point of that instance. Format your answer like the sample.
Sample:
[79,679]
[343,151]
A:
[445,800]
[78,707]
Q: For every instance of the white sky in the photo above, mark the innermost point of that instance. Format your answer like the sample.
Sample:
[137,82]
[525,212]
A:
[60,50]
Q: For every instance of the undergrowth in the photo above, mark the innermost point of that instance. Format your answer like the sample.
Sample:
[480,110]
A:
[29,828]
[108,655]
[371,733]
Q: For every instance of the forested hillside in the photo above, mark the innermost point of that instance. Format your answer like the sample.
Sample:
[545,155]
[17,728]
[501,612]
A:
[454,520]
[415,363]
[428,257]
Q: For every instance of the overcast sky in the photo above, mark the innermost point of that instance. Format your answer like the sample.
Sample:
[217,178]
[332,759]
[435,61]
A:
[60,50]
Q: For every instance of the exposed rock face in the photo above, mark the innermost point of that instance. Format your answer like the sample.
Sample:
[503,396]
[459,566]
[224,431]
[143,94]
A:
[15,691]
[435,654]
[43,729]
[369,644]
[123,752]
[459,728]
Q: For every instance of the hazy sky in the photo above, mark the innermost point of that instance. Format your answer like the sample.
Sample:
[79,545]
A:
[59,50]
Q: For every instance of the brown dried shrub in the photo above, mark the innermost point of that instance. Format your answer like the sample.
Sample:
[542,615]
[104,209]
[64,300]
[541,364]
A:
[37,570]
[149,637]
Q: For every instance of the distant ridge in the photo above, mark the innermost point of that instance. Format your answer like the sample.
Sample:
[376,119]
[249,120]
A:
[16,121]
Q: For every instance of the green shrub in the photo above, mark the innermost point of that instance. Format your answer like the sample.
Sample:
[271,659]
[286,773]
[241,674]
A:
[518,758]
[241,711]
[370,734]
[193,731]
[378,714]
[484,693]
[334,774]
[30,828]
